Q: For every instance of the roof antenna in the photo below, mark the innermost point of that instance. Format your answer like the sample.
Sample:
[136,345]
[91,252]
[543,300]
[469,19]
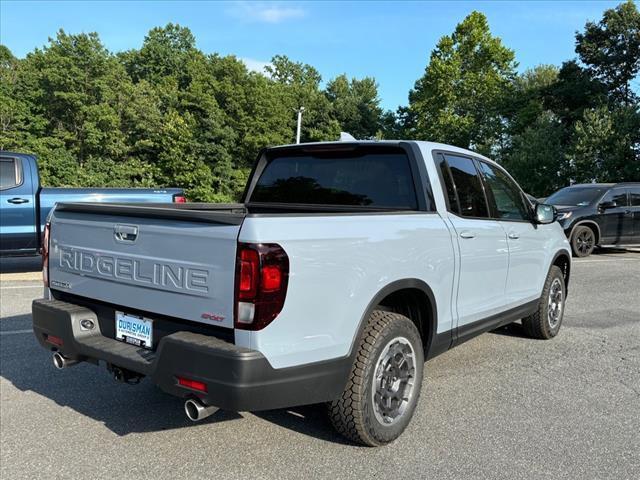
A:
[347,137]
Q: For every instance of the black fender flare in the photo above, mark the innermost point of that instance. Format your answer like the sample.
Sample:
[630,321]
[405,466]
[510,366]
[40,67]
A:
[562,253]
[388,289]
[590,223]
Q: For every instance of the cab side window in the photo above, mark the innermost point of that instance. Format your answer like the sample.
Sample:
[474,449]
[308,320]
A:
[634,196]
[10,173]
[503,194]
[468,189]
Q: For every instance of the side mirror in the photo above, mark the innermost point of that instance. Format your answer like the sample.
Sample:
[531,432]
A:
[607,205]
[545,214]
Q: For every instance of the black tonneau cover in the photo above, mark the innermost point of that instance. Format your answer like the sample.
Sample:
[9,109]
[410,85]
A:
[224,213]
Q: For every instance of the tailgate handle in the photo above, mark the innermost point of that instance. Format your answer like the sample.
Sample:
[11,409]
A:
[125,233]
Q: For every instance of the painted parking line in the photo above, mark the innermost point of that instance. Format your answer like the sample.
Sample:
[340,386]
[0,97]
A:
[18,287]
[15,332]
[604,260]
[21,277]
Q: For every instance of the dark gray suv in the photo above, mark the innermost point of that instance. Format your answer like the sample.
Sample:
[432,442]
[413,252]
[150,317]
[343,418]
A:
[599,214]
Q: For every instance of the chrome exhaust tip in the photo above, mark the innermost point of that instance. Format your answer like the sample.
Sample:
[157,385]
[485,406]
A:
[61,362]
[196,410]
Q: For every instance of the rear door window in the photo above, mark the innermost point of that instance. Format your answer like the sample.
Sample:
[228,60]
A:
[10,173]
[634,196]
[468,187]
[371,177]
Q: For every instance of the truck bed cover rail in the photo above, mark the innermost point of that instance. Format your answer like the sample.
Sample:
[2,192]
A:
[228,214]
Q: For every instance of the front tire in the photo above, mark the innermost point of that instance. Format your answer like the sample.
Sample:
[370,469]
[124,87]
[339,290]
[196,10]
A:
[583,241]
[383,390]
[546,321]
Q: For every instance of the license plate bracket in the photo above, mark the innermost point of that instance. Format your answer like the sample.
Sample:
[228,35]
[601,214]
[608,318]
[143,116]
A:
[134,329]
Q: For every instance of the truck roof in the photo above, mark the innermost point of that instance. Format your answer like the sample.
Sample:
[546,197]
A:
[590,185]
[421,143]
[15,154]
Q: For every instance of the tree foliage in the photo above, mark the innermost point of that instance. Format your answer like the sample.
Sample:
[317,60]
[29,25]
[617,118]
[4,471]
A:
[167,114]
[588,118]
[164,115]
[611,49]
[355,105]
[459,98]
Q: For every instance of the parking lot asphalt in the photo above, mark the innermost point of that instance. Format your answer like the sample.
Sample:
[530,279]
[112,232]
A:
[499,406]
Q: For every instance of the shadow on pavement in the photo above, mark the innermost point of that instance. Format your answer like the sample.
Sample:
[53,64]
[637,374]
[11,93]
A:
[311,420]
[615,250]
[91,391]
[20,264]
[511,330]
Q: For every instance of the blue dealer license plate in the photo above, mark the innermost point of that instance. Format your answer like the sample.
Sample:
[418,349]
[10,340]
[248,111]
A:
[134,329]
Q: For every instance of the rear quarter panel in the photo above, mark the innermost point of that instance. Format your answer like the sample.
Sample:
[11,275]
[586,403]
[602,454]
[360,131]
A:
[338,263]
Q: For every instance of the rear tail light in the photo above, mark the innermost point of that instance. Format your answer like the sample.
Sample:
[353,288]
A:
[177,198]
[53,340]
[45,254]
[192,384]
[262,274]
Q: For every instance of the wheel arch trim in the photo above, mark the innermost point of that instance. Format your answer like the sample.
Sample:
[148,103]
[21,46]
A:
[563,253]
[396,286]
[587,222]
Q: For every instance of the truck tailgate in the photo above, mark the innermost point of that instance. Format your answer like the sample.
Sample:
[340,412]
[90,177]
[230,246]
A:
[170,259]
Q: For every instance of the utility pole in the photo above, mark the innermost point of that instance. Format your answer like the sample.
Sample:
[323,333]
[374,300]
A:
[300,110]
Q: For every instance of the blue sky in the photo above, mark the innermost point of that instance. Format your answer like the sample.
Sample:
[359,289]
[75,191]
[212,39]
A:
[390,41]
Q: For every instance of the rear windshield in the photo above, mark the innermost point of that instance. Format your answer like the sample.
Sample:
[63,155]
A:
[371,177]
[576,196]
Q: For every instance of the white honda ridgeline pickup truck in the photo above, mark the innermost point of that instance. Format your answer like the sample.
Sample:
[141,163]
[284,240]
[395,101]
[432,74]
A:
[346,266]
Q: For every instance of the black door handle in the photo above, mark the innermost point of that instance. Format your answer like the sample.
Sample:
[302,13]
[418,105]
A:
[18,200]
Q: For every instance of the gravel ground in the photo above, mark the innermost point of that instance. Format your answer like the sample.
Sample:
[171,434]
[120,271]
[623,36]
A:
[499,406]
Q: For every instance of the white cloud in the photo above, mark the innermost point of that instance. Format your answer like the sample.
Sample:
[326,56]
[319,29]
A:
[254,65]
[266,12]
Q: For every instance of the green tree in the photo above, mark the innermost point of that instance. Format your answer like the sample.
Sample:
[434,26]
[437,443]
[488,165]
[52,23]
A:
[575,91]
[356,105]
[536,137]
[163,114]
[178,160]
[529,97]
[78,84]
[255,115]
[165,52]
[393,125]
[611,49]
[298,85]
[460,98]
[536,157]
[14,112]
[606,146]
[73,89]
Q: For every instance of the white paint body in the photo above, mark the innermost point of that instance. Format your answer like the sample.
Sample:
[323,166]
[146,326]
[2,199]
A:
[338,263]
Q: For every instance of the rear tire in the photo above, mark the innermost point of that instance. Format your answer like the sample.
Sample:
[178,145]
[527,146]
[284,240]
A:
[583,241]
[545,323]
[381,395]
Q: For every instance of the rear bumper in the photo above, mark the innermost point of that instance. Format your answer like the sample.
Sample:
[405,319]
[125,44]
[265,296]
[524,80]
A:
[237,378]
